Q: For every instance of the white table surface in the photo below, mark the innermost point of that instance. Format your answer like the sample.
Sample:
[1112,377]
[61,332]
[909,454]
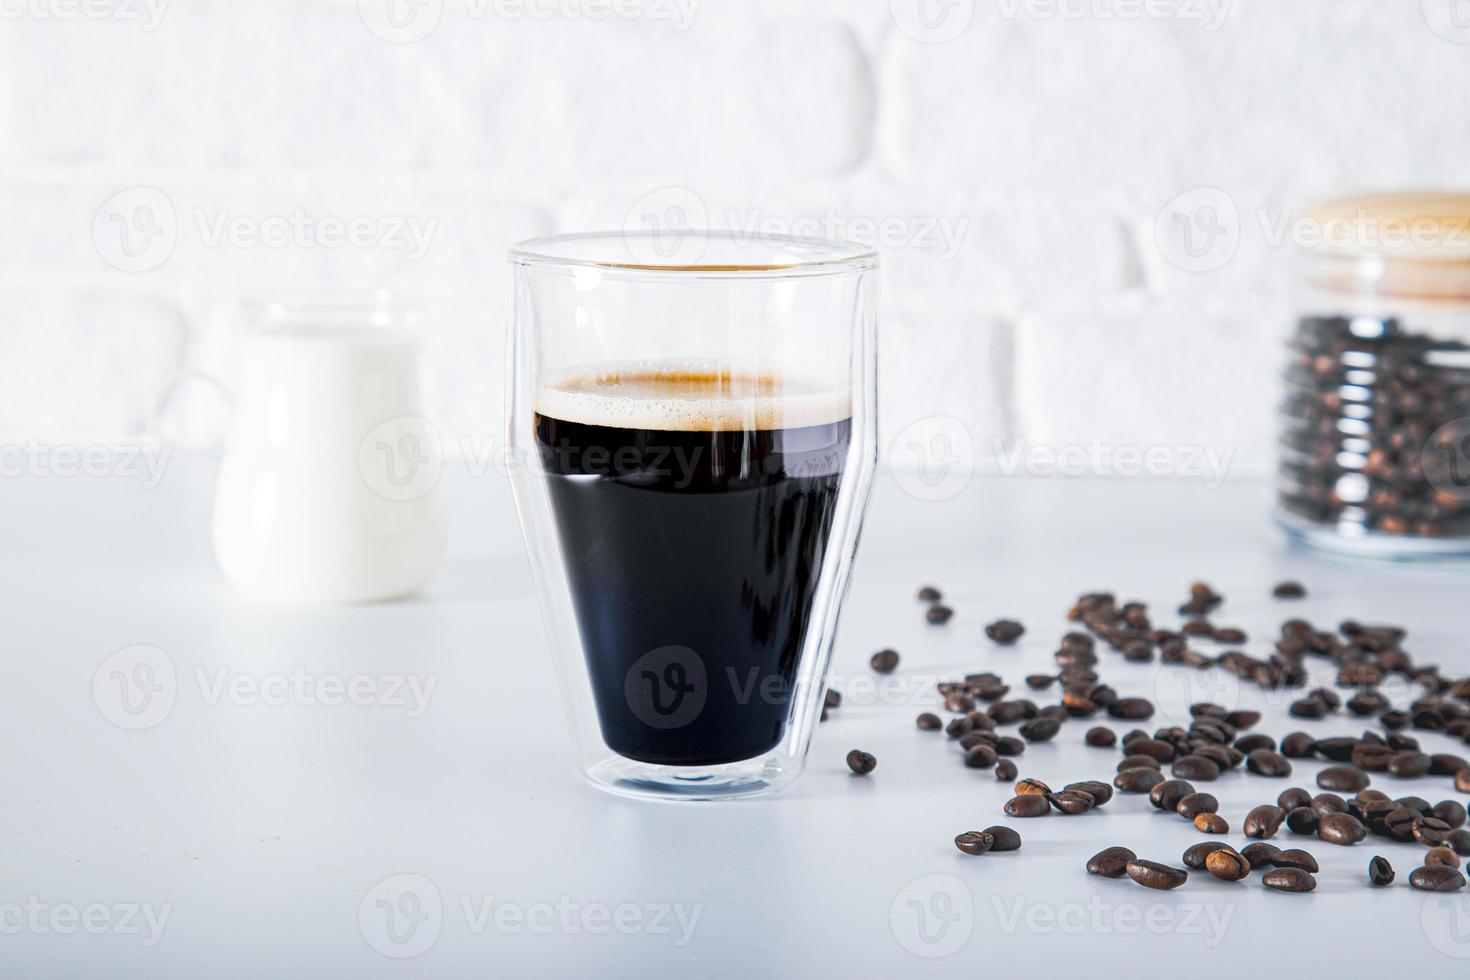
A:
[260,830]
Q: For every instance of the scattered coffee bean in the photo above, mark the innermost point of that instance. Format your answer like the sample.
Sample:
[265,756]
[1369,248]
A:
[1211,823]
[1196,767]
[1073,801]
[1462,780]
[1151,874]
[1137,780]
[1263,821]
[1342,829]
[1030,805]
[1342,779]
[1303,821]
[1380,872]
[1005,770]
[930,594]
[1260,853]
[1102,738]
[1196,855]
[1111,862]
[1459,841]
[1291,799]
[1289,880]
[1409,765]
[980,757]
[1289,590]
[1195,804]
[861,762]
[974,842]
[1295,858]
[1436,878]
[1451,812]
[1230,635]
[1029,786]
[1005,631]
[1298,745]
[1265,762]
[1131,709]
[938,615]
[1139,762]
[884,661]
[1442,855]
[1100,792]
[1167,794]
[1040,729]
[1227,863]
[929,722]
[1040,682]
[1003,838]
[1007,745]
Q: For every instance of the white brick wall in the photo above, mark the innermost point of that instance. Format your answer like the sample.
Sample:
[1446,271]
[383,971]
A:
[1023,163]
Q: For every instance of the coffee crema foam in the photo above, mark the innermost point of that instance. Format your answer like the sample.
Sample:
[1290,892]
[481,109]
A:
[689,397]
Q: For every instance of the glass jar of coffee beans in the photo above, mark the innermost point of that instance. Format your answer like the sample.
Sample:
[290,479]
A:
[1375,424]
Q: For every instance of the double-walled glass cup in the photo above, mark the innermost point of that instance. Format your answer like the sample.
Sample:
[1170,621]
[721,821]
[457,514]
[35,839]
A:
[692,417]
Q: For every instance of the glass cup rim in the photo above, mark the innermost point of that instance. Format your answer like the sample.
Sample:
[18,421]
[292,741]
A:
[783,255]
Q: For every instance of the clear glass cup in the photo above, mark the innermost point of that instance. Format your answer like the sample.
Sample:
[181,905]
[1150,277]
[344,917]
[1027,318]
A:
[692,417]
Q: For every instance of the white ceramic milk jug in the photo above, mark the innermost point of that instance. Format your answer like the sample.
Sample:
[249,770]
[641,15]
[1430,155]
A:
[327,487]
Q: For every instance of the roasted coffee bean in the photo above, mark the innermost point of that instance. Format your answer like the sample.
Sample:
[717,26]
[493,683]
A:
[1442,855]
[1409,765]
[1030,805]
[884,661]
[1292,798]
[861,762]
[1295,858]
[1211,823]
[1289,880]
[1451,812]
[1040,682]
[1111,862]
[1265,762]
[1308,707]
[1194,804]
[1230,635]
[930,594]
[1289,590]
[1028,786]
[1005,771]
[980,757]
[1428,833]
[1336,749]
[938,615]
[1100,792]
[1380,872]
[1436,878]
[1137,780]
[1370,757]
[1243,718]
[1005,631]
[1151,874]
[1009,745]
[1342,829]
[1418,804]
[1444,764]
[1227,863]
[929,722]
[1154,748]
[1195,856]
[1342,779]
[1298,745]
[1303,821]
[1040,729]
[1133,709]
[1366,703]
[1003,838]
[1010,712]
[1260,853]
[1196,767]
[1102,738]
[1263,821]
[1073,801]
[1139,762]
[1325,803]
[974,842]
[968,742]
[1167,794]
[1459,840]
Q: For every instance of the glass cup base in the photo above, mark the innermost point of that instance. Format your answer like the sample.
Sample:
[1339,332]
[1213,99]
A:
[693,784]
[1327,540]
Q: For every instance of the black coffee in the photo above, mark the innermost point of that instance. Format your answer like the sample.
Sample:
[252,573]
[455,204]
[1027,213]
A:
[693,537]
